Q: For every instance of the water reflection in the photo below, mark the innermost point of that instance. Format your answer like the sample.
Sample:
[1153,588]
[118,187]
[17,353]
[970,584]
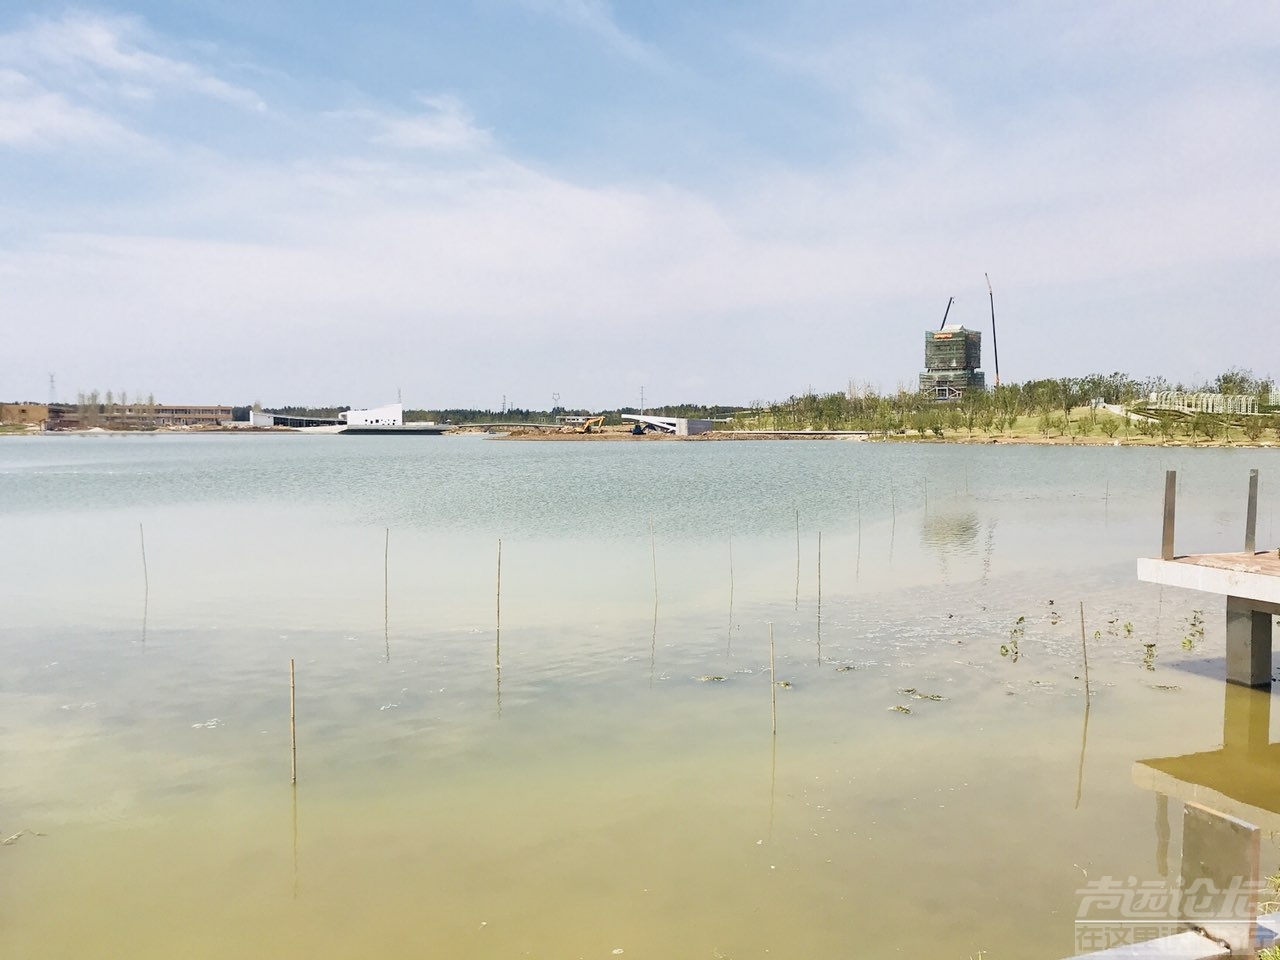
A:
[1241,778]
[295,839]
[950,530]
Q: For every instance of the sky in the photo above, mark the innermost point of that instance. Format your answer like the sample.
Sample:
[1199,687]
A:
[478,202]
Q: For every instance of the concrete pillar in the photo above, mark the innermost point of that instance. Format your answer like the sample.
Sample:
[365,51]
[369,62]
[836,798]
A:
[1220,871]
[1248,644]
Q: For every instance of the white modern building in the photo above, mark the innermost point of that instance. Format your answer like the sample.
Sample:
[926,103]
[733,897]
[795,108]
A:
[388,415]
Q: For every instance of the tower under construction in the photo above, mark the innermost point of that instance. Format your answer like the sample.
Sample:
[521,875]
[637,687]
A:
[952,357]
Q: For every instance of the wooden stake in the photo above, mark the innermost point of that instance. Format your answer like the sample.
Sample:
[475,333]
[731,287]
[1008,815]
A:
[729,646]
[857,572]
[497,653]
[1084,648]
[653,551]
[797,558]
[819,598]
[1251,515]
[146,580]
[386,594]
[1084,732]
[773,684]
[293,727]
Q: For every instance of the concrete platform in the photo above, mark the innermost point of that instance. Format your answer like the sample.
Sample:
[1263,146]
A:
[1248,576]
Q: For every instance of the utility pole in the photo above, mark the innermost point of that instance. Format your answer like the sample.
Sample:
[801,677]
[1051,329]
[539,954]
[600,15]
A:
[642,399]
[53,393]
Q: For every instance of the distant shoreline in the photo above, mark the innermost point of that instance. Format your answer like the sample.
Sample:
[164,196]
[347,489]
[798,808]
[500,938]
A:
[623,434]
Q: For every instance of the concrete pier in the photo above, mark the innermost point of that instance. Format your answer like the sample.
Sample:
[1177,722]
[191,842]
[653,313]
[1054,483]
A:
[1251,585]
[1249,580]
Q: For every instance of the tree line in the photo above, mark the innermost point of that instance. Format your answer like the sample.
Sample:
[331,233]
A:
[1113,403]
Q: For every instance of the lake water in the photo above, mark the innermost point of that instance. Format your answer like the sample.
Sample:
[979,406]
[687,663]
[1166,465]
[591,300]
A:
[596,795]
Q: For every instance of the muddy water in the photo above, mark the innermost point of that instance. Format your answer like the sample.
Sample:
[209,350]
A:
[598,792]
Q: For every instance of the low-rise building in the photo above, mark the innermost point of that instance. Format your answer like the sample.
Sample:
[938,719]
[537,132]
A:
[26,413]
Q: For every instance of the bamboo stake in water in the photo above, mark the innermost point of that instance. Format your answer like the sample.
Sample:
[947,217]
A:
[146,580]
[653,552]
[386,593]
[797,558]
[1084,732]
[497,651]
[729,646]
[293,728]
[893,519]
[1084,648]
[819,598]
[857,571]
[146,583]
[773,684]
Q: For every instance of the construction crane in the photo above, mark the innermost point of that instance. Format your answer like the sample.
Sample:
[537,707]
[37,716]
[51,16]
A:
[950,301]
[995,347]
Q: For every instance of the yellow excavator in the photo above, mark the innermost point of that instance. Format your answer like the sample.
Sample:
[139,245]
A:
[590,425]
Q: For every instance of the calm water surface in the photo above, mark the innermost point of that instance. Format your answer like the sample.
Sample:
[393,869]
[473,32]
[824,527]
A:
[596,793]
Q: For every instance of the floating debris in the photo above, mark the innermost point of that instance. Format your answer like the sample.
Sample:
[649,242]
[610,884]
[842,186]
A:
[207,725]
[24,832]
[899,708]
[710,679]
[1165,686]
[937,697]
[845,668]
[785,684]
[1195,630]
[1019,631]
[906,691]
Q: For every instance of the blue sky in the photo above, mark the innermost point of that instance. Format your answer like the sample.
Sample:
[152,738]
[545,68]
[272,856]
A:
[229,202]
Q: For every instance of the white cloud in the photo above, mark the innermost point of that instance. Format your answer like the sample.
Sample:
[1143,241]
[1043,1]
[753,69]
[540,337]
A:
[34,117]
[596,17]
[106,58]
[444,124]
